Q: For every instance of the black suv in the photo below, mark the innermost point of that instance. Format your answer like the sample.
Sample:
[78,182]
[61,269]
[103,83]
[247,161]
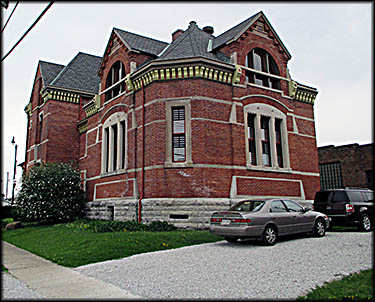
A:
[347,206]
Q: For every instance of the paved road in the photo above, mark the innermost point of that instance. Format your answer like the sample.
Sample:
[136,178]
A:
[245,270]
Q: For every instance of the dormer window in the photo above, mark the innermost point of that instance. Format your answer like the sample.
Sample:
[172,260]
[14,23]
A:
[116,74]
[262,61]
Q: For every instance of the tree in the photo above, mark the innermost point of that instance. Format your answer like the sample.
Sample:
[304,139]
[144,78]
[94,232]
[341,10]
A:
[51,192]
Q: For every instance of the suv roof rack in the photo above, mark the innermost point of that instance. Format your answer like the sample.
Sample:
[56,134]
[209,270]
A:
[357,188]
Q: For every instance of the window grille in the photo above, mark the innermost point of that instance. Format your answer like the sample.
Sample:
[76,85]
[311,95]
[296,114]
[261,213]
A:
[330,176]
[178,134]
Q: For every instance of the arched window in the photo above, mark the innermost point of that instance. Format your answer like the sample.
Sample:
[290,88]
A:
[266,137]
[261,60]
[114,143]
[116,73]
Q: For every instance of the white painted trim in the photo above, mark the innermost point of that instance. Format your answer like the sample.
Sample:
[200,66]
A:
[264,96]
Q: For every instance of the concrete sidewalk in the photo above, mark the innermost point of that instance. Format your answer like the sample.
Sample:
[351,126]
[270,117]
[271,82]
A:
[54,281]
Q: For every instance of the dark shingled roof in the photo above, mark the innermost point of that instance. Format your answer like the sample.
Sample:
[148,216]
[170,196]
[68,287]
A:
[192,43]
[233,32]
[49,71]
[80,74]
[141,43]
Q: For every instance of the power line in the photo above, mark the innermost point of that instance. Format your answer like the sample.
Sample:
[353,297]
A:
[10,16]
[25,34]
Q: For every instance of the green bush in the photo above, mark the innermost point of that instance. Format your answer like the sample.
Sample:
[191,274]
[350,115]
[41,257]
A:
[104,226]
[5,221]
[51,192]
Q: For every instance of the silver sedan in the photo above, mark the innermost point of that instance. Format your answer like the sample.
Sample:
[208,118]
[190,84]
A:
[267,219]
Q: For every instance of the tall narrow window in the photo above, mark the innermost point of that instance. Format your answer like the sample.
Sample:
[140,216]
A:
[114,143]
[123,143]
[116,73]
[106,148]
[279,150]
[178,134]
[266,150]
[251,135]
[115,147]
[40,127]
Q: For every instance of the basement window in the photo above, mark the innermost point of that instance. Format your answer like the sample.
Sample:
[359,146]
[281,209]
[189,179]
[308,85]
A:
[178,216]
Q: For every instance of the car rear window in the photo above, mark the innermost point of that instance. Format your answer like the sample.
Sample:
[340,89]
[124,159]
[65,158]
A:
[355,196]
[370,196]
[323,196]
[248,206]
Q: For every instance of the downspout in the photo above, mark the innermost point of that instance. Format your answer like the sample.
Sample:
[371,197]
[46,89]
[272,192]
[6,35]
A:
[143,156]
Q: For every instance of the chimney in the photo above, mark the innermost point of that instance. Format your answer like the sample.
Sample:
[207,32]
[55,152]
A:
[176,34]
[208,29]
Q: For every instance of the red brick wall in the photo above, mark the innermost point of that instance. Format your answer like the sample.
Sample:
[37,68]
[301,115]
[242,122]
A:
[355,160]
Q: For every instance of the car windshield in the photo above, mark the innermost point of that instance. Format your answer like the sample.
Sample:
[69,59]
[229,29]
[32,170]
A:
[248,206]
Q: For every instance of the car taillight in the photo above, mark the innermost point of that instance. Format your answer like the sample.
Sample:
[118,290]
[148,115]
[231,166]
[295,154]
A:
[349,208]
[242,220]
[215,219]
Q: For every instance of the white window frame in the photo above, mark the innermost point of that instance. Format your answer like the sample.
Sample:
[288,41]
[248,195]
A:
[259,110]
[122,158]
[169,163]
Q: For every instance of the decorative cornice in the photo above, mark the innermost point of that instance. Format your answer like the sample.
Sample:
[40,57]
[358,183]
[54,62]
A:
[302,92]
[57,95]
[82,126]
[190,71]
[92,107]
[28,109]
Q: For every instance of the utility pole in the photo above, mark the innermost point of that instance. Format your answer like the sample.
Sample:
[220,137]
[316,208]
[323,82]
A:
[6,196]
[15,166]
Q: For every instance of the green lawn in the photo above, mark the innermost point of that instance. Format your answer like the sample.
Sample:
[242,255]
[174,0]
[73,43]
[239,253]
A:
[74,247]
[355,287]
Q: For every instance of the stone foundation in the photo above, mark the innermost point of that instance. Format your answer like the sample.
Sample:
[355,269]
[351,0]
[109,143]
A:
[192,213]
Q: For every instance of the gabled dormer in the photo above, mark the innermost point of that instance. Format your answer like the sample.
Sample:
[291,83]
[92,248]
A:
[125,52]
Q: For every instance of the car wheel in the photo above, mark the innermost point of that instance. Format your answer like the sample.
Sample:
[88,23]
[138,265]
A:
[365,223]
[231,239]
[269,235]
[319,228]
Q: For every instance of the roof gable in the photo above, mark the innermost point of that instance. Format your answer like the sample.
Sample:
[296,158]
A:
[140,43]
[265,30]
[49,71]
[80,74]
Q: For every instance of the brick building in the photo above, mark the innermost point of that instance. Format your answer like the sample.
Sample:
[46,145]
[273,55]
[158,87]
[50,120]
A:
[173,131]
[346,166]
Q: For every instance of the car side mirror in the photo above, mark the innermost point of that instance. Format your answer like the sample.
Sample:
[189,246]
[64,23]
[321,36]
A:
[305,209]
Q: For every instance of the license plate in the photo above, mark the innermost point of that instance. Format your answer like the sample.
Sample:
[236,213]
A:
[225,222]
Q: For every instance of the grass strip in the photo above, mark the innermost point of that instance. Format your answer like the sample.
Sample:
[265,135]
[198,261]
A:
[354,287]
[72,247]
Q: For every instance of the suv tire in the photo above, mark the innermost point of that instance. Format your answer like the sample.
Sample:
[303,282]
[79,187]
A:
[365,224]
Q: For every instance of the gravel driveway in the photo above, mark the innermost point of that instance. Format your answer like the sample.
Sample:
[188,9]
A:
[246,270]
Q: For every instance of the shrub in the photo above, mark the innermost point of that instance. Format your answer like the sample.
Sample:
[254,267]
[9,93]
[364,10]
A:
[103,226]
[51,192]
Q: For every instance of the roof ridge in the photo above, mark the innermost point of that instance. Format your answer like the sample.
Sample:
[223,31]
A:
[128,32]
[63,70]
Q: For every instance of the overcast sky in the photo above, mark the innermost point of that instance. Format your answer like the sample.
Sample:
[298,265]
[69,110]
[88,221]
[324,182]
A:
[330,44]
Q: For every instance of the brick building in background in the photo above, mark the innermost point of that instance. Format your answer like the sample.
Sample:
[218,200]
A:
[173,131]
[346,166]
